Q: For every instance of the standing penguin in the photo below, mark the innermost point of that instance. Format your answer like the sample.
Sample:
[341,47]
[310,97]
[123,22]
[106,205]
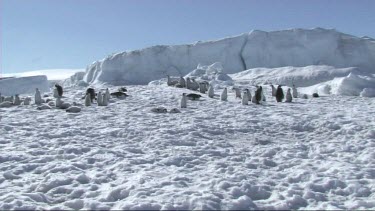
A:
[279,94]
[273,90]
[59,90]
[188,83]
[254,98]
[195,85]
[38,97]
[224,95]
[91,93]
[238,92]
[105,98]
[248,94]
[245,98]
[100,99]
[55,93]
[263,97]
[88,99]
[202,88]
[295,92]
[258,94]
[17,100]
[183,100]
[288,97]
[211,91]
[107,94]
[182,82]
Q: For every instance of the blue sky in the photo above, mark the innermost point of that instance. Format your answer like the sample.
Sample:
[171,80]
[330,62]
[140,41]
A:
[51,34]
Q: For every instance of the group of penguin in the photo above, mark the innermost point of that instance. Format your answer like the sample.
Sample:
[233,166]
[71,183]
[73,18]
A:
[204,86]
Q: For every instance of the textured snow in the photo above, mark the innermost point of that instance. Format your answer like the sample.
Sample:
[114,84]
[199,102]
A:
[23,85]
[295,47]
[315,153]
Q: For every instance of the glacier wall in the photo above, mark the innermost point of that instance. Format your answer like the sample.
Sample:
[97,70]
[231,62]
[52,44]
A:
[295,47]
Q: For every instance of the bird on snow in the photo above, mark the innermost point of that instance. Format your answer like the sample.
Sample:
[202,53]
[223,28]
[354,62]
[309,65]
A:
[288,97]
[224,95]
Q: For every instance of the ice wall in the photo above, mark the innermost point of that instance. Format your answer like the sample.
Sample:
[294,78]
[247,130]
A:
[295,47]
[23,85]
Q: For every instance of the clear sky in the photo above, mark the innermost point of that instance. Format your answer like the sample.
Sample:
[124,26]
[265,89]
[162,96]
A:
[51,34]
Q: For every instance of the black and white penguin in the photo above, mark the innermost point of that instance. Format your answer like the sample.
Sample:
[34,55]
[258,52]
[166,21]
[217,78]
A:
[194,85]
[273,90]
[91,93]
[100,99]
[193,96]
[107,94]
[105,100]
[38,97]
[17,100]
[295,92]
[59,90]
[188,83]
[224,95]
[288,97]
[279,94]
[237,91]
[245,98]
[182,82]
[88,99]
[263,97]
[248,94]
[211,91]
[73,109]
[183,101]
[258,94]
[254,98]
[202,88]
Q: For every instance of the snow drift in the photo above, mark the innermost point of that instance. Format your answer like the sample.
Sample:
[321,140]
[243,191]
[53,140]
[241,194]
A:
[23,85]
[295,47]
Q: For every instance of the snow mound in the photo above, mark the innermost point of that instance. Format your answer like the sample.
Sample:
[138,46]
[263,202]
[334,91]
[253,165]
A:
[23,85]
[295,47]
[75,80]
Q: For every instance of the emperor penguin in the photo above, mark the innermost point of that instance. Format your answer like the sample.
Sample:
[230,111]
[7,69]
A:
[211,91]
[288,97]
[248,94]
[258,94]
[107,94]
[182,81]
[245,98]
[279,94]
[188,83]
[183,100]
[273,90]
[17,100]
[263,97]
[38,97]
[195,84]
[59,102]
[202,88]
[88,99]
[238,92]
[224,95]
[254,98]
[295,92]
[100,99]
[55,93]
[105,99]
[59,90]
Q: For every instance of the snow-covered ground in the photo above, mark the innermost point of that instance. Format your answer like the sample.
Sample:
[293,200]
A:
[316,153]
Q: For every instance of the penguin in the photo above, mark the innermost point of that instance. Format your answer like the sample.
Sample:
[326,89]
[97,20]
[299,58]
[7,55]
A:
[183,101]
[64,105]
[91,93]
[121,89]
[105,99]
[55,93]
[254,99]
[193,96]
[288,97]
[273,90]
[224,95]
[188,83]
[245,98]
[43,107]
[248,94]
[17,100]
[58,103]
[51,103]
[59,90]
[88,99]
[258,94]
[27,101]
[238,92]
[295,92]
[160,109]
[211,91]
[38,97]
[195,85]
[202,88]
[263,97]
[100,99]
[107,94]
[182,82]
[279,94]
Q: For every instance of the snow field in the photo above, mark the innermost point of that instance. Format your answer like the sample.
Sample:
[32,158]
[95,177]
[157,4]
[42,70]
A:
[316,153]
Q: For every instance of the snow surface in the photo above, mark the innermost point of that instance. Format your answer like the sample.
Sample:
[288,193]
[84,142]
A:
[23,85]
[316,153]
[257,49]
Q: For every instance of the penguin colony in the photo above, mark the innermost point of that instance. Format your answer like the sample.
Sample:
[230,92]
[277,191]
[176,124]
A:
[102,99]
[245,95]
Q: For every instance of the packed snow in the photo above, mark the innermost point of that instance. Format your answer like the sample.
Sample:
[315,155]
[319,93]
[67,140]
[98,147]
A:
[315,153]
